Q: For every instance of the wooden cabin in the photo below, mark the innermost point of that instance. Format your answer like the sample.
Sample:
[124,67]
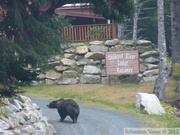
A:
[86,25]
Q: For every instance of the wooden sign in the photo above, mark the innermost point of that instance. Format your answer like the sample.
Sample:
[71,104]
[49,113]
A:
[123,62]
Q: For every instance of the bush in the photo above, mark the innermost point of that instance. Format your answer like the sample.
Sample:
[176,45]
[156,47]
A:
[11,89]
[97,32]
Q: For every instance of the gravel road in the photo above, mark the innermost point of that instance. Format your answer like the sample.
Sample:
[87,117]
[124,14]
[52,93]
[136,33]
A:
[91,121]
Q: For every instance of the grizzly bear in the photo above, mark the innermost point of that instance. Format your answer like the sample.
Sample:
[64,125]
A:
[66,107]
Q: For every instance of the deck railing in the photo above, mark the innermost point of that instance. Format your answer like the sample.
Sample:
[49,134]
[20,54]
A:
[90,32]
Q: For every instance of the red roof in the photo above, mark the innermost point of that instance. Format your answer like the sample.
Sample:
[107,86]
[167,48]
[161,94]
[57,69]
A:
[78,11]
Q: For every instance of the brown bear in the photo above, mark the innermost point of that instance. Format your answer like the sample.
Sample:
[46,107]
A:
[66,107]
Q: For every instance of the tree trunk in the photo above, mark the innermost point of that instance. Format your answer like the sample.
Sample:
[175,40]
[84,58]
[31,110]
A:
[135,23]
[161,80]
[121,30]
[175,30]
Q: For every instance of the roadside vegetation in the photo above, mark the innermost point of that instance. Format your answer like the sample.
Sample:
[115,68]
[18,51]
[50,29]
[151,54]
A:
[119,97]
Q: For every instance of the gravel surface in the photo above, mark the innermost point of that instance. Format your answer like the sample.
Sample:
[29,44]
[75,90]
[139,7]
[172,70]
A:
[91,121]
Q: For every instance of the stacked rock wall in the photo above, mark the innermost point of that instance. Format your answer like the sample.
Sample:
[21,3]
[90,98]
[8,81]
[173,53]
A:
[22,117]
[82,63]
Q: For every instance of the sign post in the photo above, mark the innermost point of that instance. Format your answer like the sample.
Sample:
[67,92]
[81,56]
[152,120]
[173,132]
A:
[123,62]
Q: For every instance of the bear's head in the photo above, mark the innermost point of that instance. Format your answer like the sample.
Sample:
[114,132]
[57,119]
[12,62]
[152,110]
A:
[52,104]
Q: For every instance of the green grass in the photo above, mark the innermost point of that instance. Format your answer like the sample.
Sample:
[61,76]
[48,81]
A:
[120,97]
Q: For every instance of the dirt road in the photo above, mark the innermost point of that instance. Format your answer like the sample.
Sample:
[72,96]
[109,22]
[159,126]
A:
[91,121]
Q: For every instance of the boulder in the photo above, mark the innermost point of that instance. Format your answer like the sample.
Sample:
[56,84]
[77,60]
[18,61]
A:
[4,125]
[96,43]
[126,42]
[117,48]
[41,76]
[141,49]
[88,69]
[69,55]
[144,43]
[53,63]
[77,44]
[68,62]
[70,50]
[150,73]
[151,66]
[15,102]
[36,83]
[55,58]
[150,53]
[82,62]
[49,81]
[98,48]
[90,79]
[151,60]
[142,68]
[65,46]
[147,79]
[95,55]
[149,103]
[70,74]
[52,75]
[82,50]
[67,81]
[61,68]
[111,42]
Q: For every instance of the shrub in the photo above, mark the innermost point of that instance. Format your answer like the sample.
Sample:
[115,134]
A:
[97,32]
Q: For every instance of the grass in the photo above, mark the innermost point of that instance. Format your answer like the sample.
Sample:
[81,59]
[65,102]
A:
[120,97]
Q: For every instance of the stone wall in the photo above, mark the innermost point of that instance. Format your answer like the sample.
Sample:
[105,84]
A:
[82,63]
[22,117]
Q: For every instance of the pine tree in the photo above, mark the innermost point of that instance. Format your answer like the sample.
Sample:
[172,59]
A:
[27,37]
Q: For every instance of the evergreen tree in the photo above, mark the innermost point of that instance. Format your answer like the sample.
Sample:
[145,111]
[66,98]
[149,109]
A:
[27,37]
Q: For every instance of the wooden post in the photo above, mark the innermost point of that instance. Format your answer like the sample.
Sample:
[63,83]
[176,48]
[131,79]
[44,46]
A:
[113,29]
[109,78]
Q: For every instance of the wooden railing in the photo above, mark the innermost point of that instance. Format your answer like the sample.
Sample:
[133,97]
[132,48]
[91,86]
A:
[90,32]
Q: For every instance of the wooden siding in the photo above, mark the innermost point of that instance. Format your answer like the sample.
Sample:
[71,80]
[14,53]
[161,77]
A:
[90,32]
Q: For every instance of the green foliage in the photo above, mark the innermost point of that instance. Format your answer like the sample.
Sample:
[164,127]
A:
[97,31]
[3,112]
[176,71]
[6,57]
[11,66]
[27,37]
[37,36]
[172,121]
[10,89]
[114,9]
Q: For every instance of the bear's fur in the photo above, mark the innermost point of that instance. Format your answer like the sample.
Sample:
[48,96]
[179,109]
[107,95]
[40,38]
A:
[66,107]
